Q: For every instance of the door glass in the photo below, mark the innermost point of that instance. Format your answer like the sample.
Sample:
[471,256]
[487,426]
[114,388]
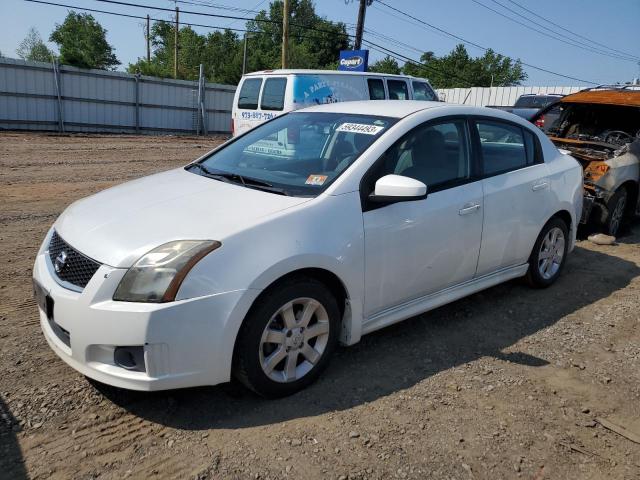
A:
[273,94]
[502,147]
[398,90]
[434,154]
[422,91]
[248,98]
[376,89]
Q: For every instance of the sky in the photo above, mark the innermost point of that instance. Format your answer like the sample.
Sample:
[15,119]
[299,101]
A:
[612,23]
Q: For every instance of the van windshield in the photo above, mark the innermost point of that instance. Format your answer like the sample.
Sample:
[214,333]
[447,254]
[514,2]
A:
[297,154]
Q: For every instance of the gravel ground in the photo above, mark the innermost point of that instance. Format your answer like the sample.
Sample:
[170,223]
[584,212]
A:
[508,383]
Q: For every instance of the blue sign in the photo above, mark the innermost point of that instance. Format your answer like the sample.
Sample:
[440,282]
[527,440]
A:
[354,60]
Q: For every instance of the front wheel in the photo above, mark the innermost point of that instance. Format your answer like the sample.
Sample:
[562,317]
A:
[287,338]
[615,212]
[549,254]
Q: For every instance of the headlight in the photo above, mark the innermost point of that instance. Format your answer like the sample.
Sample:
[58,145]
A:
[157,276]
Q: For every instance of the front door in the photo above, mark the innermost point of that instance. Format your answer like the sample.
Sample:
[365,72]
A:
[416,248]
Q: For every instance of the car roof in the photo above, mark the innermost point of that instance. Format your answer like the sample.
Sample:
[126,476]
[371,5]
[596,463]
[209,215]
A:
[303,71]
[383,108]
[623,97]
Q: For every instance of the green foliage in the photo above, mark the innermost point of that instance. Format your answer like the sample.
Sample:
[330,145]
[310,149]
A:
[221,52]
[458,69]
[82,43]
[386,65]
[33,48]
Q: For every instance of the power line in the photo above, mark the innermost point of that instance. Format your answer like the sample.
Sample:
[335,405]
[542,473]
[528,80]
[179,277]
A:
[569,31]
[468,42]
[378,47]
[554,35]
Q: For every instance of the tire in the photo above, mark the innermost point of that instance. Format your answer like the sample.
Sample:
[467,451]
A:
[542,274]
[615,212]
[280,350]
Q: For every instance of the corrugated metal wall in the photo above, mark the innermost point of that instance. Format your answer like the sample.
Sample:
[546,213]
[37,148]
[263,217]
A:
[101,101]
[482,96]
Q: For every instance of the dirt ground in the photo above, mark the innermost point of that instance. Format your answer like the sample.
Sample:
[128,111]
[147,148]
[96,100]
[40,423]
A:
[508,383]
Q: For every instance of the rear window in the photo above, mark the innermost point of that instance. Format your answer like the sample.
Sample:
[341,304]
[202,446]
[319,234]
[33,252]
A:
[376,89]
[422,91]
[273,94]
[535,101]
[248,98]
[398,90]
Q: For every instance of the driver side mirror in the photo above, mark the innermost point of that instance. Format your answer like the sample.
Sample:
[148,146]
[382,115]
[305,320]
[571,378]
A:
[398,188]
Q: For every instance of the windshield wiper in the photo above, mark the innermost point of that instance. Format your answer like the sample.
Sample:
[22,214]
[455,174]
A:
[248,182]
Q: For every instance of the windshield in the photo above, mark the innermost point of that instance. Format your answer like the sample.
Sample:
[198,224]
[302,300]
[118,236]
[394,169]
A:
[617,124]
[296,154]
[535,101]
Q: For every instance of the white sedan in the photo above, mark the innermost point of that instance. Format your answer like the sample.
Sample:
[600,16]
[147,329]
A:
[315,228]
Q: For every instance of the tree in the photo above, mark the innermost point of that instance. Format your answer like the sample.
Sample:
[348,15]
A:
[221,52]
[33,48]
[386,65]
[82,42]
[458,69]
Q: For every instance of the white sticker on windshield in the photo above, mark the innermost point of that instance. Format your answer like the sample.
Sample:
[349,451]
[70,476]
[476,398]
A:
[360,128]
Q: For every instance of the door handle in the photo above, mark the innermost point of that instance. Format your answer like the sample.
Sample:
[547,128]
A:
[469,208]
[539,185]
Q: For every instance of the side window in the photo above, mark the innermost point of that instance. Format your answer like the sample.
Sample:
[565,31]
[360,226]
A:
[435,154]
[273,94]
[502,146]
[534,155]
[398,90]
[248,98]
[376,88]
[422,91]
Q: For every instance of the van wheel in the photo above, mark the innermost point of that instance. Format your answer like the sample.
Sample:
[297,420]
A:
[549,254]
[287,338]
[615,212]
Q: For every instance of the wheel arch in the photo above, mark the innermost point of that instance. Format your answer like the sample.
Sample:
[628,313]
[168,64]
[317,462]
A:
[565,216]
[327,277]
[632,191]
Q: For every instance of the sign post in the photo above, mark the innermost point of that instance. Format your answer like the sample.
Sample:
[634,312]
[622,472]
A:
[354,60]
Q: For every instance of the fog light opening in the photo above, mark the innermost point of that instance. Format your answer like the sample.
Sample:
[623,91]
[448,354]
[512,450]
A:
[130,358]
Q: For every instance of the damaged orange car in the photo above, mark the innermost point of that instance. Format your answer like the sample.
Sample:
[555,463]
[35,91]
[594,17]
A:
[600,127]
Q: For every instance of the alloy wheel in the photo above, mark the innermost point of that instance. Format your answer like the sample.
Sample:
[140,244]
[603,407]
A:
[294,340]
[551,253]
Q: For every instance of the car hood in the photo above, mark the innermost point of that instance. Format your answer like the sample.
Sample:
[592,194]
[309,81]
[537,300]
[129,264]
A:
[119,225]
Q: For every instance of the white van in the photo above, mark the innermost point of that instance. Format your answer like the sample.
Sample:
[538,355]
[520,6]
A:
[260,96]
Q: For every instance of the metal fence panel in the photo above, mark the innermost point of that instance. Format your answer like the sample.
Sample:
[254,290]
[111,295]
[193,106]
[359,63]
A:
[506,96]
[102,101]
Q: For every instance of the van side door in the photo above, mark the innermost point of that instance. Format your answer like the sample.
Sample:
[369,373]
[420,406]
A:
[398,89]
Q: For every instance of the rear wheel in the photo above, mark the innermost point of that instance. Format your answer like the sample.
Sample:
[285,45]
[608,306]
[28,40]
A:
[615,212]
[287,338]
[549,254]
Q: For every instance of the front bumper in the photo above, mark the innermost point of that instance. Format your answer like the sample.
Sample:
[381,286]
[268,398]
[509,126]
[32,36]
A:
[186,343]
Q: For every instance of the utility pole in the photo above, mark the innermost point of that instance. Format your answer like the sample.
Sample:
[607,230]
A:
[244,55]
[285,34]
[148,40]
[175,46]
[360,27]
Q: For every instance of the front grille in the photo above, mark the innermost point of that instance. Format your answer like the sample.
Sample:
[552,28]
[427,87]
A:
[77,269]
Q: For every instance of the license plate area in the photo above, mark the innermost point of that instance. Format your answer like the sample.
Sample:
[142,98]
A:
[46,304]
[44,301]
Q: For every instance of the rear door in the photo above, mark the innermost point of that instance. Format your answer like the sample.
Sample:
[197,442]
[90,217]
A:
[398,89]
[376,88]
[259,99]
[517,196]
